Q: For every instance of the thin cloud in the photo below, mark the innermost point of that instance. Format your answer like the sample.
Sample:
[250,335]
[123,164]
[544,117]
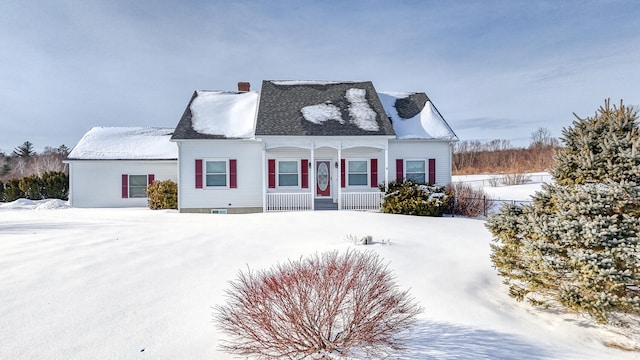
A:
[66,66]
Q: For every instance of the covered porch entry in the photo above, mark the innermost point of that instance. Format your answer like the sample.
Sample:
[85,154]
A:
[326,175]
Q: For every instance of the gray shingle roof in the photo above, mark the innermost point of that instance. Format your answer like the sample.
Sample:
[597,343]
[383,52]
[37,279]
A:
[411,105]
[280,111]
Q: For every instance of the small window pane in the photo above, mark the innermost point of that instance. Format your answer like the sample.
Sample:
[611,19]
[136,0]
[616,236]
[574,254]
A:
[137,186]
[358,166]
[138,180]
[219,167]
[288,179]
[357,179]
[137,191]
[417,177]
[288,167]
[415,166]
[216,173]
[217,180]
[287,173]
[357,173]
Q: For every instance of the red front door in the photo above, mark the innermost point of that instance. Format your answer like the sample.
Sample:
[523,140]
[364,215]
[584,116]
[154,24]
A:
[323,178]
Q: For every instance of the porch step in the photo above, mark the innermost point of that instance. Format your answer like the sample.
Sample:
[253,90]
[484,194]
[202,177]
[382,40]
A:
[325,204]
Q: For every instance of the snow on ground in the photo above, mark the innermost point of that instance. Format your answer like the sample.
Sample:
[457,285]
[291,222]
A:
[518,193]
[136,283]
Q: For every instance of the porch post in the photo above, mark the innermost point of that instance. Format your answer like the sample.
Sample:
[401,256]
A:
[264,178]
[338,177]
[386,167]
[312,183]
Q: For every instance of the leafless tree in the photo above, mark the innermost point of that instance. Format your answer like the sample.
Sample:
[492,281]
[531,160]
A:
[469,201]
[321,307]
[542,138]
[47,162]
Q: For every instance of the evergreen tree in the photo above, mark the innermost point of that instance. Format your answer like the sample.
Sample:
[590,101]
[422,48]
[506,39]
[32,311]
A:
[606,146]
[25,150]
[578,243]
[63,150]
[55,185]
[1,191]
[12,190]
[32,187]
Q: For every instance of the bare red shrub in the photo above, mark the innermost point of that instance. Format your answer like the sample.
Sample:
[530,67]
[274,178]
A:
[468,200]
[323,306]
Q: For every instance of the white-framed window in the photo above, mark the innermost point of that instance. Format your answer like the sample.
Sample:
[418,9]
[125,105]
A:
[138,186]
[416,170]
[288,173]
[357,173]
[216,173]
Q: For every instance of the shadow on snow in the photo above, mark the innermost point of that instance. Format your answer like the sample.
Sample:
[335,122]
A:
[432,340]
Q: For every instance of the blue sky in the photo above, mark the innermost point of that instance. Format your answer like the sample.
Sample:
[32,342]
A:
[494,69]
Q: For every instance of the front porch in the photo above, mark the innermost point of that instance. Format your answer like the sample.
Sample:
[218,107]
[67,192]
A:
[369,201]
[324,173]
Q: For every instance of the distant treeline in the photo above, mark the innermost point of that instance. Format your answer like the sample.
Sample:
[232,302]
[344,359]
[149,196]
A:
[499,156]
[25,161]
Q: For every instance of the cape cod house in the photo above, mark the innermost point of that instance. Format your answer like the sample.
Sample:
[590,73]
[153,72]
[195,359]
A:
[295,145]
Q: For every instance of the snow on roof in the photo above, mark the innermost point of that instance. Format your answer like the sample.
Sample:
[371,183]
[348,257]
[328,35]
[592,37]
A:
[130,143]
[363,116]
[320,113]
[427,124]
[229,114]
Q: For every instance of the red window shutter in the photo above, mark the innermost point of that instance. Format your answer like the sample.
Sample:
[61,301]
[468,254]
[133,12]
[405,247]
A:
[374,173]
[198,173]
[432,171]
[399,169]
[343,173]
[304,164]
[125,186]
[233,174]
[272,173]
[150,179]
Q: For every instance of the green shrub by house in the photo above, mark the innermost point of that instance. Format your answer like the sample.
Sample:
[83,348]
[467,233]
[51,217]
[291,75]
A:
[162,195]
[51,185]
[32,187]
[411,198]
[12,190]
[55,185]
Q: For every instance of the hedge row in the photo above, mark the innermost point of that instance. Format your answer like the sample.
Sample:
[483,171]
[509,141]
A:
[50,185]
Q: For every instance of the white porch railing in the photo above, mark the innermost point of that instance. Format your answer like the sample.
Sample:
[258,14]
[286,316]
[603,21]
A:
[362,200]
[289,201]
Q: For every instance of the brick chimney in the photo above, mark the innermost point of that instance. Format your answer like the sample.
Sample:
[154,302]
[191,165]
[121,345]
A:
[244,87]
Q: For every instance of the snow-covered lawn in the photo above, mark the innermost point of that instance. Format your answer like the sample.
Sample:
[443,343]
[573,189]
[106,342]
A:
[137,283]
[508,193]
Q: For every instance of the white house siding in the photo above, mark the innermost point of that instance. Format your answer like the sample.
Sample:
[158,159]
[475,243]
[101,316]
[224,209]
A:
[422,149]
[98,183]
[247,197]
